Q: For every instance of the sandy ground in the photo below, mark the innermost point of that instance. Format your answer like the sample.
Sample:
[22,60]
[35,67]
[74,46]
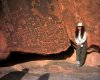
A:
[45,68]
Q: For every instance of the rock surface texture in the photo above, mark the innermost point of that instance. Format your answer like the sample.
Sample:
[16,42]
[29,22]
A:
[32,26]
[47,26]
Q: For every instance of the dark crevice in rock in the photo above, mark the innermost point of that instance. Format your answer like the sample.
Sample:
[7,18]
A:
[1,7]
[20,57]
[93,48]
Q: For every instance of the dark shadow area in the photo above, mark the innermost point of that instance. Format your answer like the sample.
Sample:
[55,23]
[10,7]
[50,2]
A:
[44,77]
[73,44]
[1,7]
[20,57]
[93,48]
[16,75]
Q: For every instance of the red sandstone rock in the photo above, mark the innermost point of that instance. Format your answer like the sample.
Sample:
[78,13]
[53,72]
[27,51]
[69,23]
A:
[32,26]
[45,26]
[4,52]
[93,59]
[87,12]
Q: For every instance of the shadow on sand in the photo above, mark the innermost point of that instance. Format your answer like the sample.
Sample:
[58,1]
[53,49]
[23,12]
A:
[16,75]
[44,77]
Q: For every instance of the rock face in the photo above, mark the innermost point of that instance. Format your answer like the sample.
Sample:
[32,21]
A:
[87,12]
[32,26]
[41,26]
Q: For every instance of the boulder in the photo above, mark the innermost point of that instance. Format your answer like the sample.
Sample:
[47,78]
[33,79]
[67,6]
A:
[32,26]
[48,26]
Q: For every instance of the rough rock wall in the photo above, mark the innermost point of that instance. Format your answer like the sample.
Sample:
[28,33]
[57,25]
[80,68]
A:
[88,12]
[42,25]
[32,26]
